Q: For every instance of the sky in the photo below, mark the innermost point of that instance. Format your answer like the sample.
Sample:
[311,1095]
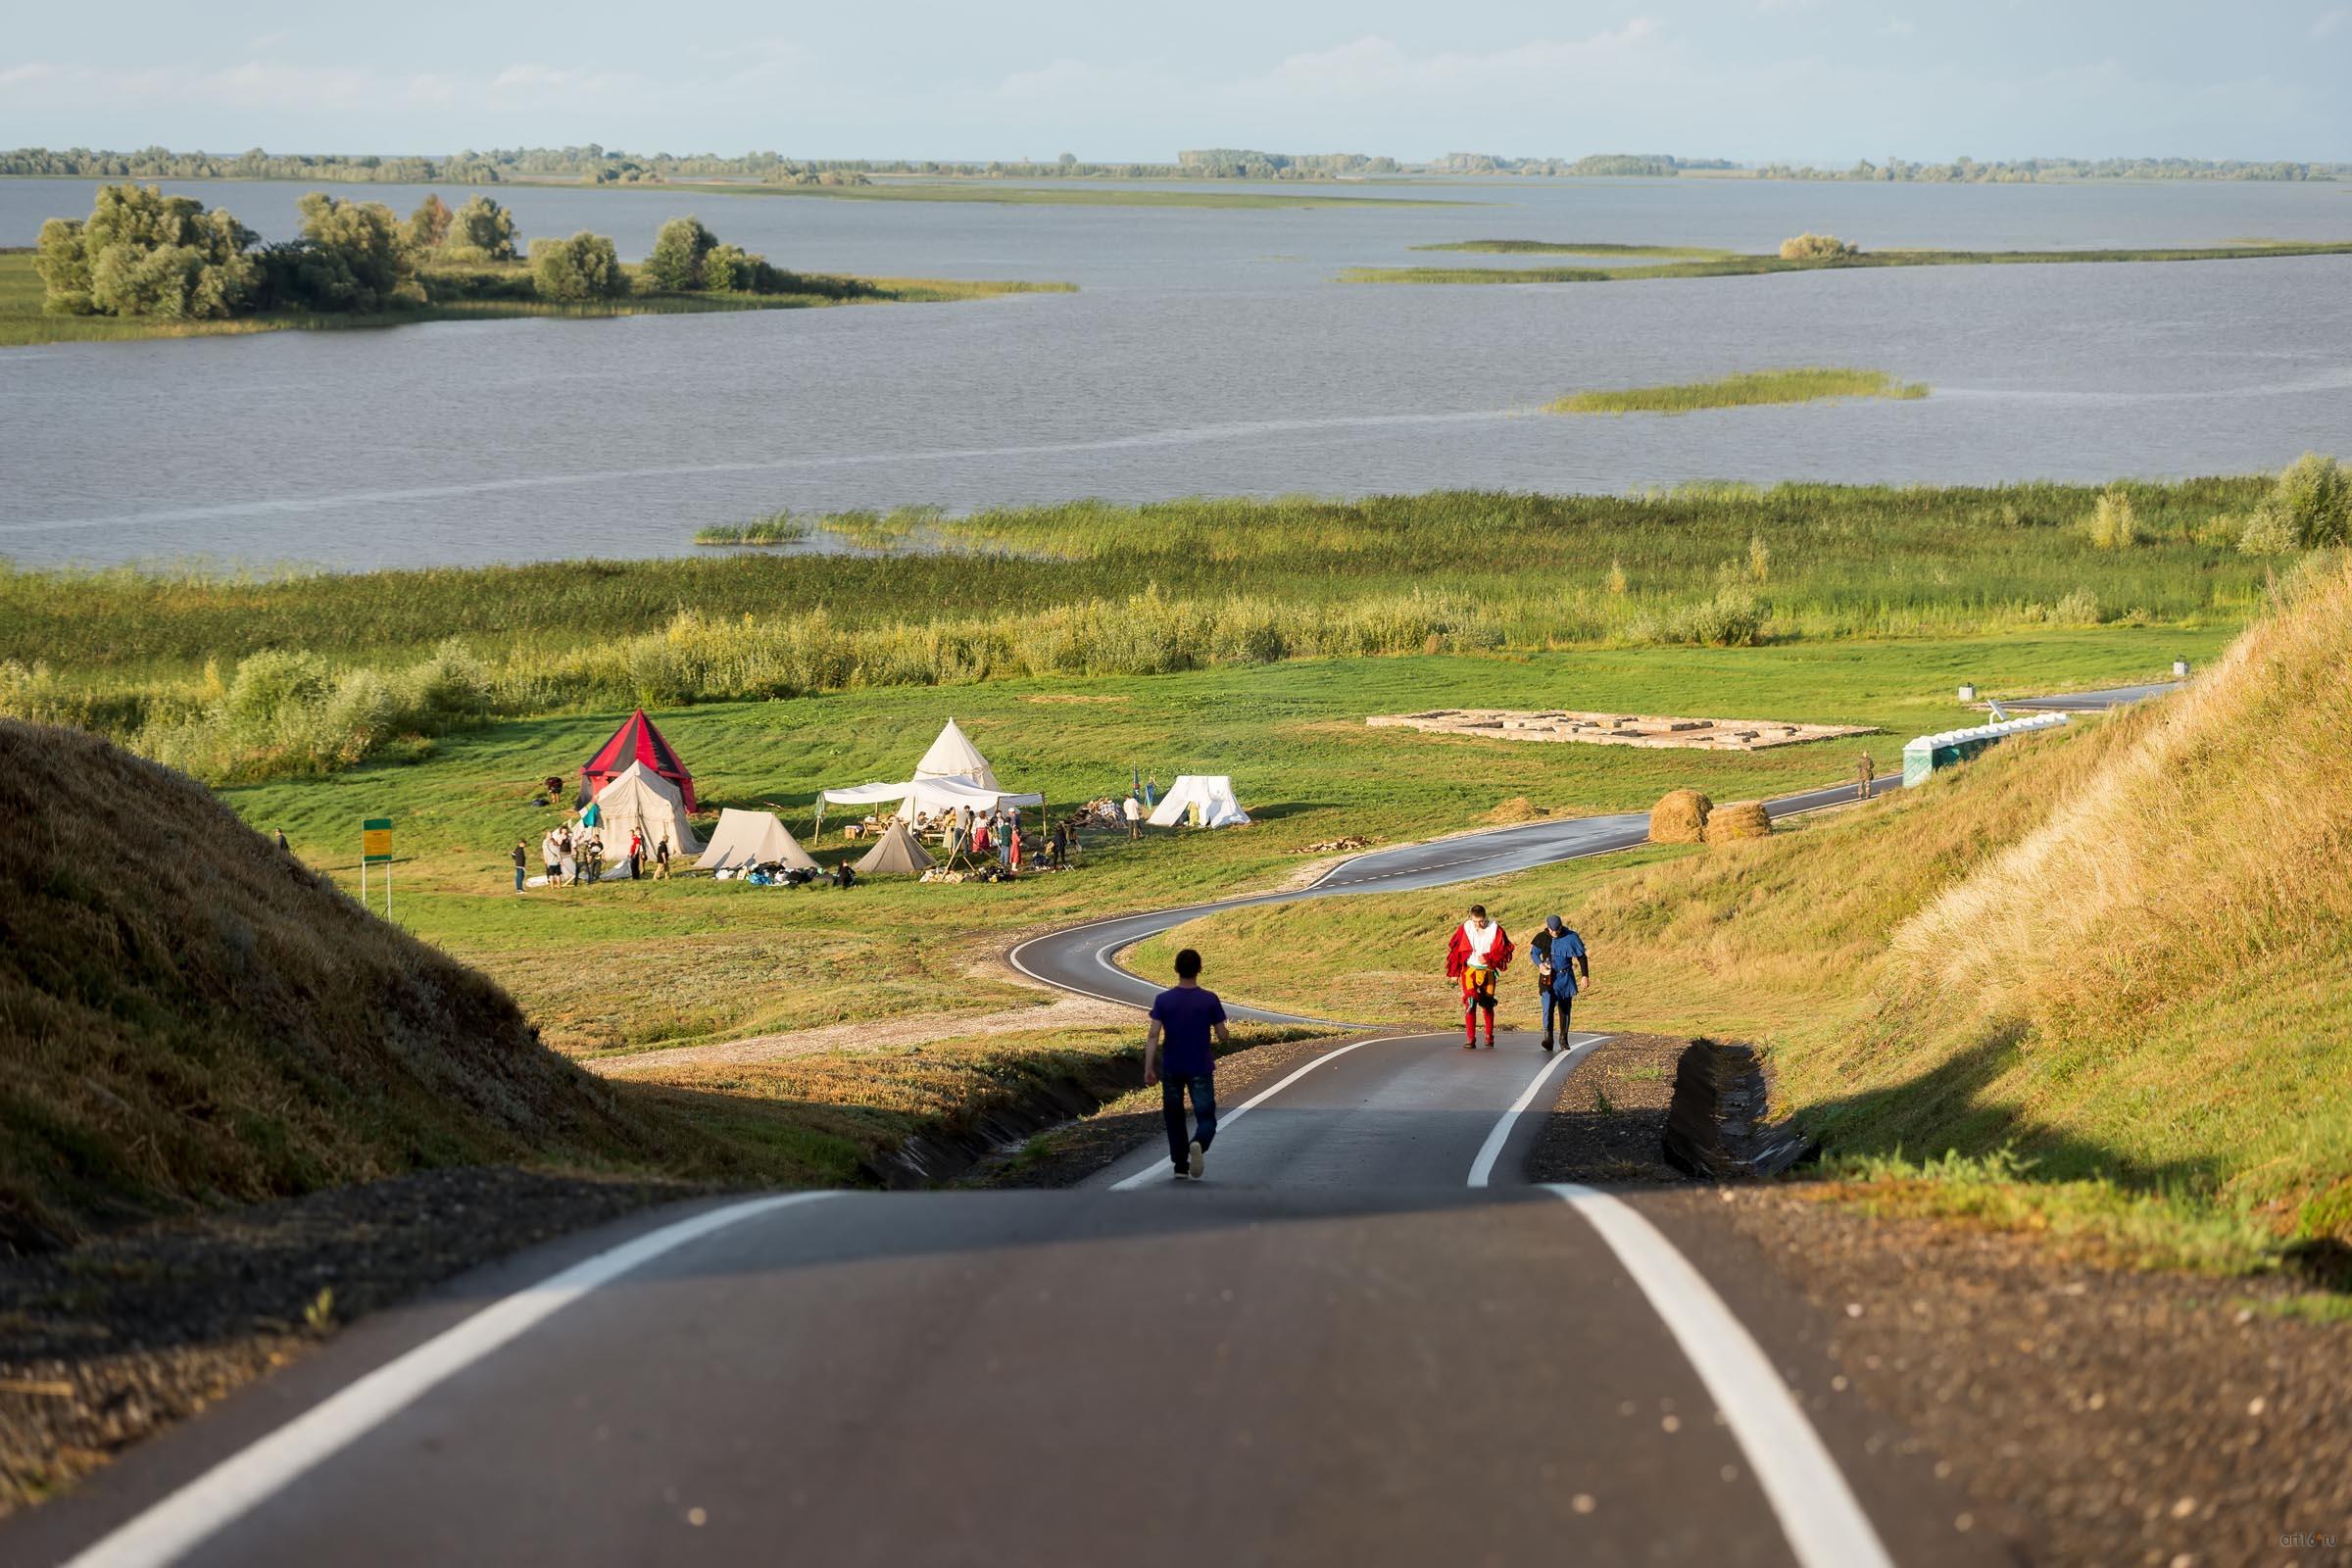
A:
[1814,80]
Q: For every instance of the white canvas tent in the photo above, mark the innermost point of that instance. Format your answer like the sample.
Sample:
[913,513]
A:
[753,838]
[896,852]
[953,755]
[1211,792]
[640,799]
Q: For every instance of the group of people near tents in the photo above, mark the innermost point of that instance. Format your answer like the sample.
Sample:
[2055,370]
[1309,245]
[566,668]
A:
[950,814]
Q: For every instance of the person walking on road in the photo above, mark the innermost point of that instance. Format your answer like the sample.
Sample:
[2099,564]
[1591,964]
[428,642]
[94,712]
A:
[1559,953]
[1481,950]
[1870,772]
[1133,811]
[1179,1057]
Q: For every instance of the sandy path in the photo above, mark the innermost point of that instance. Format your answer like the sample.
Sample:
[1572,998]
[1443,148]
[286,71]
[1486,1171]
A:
[878,1034]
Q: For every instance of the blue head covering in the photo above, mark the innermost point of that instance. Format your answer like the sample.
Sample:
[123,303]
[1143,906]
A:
[1553,924]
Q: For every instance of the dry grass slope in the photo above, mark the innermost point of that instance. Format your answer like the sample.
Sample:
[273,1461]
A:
[191,1017]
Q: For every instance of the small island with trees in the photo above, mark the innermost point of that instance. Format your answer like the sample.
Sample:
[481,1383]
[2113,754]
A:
[147,265]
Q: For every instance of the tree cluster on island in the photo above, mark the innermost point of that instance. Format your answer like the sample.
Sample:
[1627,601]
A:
[141,253]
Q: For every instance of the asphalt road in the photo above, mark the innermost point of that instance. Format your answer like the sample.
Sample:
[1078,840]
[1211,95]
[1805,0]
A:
[1361,1340]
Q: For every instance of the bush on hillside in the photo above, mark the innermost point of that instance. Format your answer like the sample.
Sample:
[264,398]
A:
[2309,508]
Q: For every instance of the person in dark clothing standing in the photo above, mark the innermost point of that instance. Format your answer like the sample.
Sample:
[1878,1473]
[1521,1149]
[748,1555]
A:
[1179,1057]
[1560,953]
[521,858]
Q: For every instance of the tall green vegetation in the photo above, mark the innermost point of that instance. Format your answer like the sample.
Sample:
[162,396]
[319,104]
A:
[352,256]
[428,225]
[142,253]
[1053,590]
[584,266]
[675,263]
[481,231]
[2310,507]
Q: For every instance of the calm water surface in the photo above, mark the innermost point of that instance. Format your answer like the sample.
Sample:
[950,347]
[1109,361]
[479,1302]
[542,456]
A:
[1207,352]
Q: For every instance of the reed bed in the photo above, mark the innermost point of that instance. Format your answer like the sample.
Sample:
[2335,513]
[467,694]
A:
[1807,384]
[776,528]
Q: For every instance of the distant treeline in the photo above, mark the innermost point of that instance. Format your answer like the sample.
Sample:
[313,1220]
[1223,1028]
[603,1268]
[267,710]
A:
[2028,171]
[597,165]
[602,165]
[1588,165]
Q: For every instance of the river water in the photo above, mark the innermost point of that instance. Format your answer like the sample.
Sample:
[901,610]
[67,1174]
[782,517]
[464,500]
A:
[1207,352]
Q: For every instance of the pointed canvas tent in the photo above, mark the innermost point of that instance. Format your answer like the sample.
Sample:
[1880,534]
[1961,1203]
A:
[896,852]
[641,800]
[1211,792]
[953,755]
[753,838]
[636,741]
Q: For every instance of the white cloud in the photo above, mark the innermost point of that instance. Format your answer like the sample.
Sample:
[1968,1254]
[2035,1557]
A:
[2328,22]
[1898,28]
[1376,65]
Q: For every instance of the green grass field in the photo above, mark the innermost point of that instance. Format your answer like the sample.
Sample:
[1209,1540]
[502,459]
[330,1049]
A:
[1735,265]
[23,324]
[1808,385]
[624,966]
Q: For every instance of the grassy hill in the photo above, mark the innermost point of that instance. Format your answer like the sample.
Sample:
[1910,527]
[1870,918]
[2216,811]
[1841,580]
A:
[193,1016]
[2122,954]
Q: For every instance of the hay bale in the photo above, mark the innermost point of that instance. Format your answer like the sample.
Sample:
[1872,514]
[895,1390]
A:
[1680,818]
[1518,809]
[1742,819]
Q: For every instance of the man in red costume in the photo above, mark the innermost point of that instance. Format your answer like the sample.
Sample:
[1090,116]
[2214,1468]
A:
[1481,950]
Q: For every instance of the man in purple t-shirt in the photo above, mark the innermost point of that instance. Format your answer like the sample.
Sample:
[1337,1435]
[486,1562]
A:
[1178,1055]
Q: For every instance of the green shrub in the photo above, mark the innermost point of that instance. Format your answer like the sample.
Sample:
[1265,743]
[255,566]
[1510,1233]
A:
[584,266]
[675,263]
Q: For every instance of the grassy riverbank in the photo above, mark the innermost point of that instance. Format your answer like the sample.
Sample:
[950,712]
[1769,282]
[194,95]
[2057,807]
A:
[22,323]
[1090,589]
[1806,385]
[1728,264]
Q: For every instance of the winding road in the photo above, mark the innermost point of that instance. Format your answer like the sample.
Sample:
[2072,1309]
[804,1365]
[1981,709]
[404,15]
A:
[1364,1338]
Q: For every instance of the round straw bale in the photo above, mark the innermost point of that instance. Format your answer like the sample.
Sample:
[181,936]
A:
[1742,819]
[1680,818]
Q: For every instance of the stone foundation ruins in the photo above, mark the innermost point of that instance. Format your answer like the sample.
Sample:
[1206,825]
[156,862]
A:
[1618,730]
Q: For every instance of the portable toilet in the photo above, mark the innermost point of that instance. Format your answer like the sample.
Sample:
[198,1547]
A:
[1931,754]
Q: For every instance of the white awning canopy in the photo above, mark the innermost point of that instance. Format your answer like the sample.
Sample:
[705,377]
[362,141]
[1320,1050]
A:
[936,796]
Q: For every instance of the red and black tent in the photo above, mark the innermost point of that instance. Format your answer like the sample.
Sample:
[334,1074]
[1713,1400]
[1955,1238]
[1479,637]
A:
[636,741]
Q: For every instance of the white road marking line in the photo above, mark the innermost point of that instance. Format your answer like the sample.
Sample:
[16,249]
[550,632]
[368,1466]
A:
[1490,1152]
[246,1479]
[1226,1118]
[1825,1525]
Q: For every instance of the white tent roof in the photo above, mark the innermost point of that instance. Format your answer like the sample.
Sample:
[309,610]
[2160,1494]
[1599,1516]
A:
[895,851]
[1214,794]
[638,799]
[753,838]
[936,796]
[953,755]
